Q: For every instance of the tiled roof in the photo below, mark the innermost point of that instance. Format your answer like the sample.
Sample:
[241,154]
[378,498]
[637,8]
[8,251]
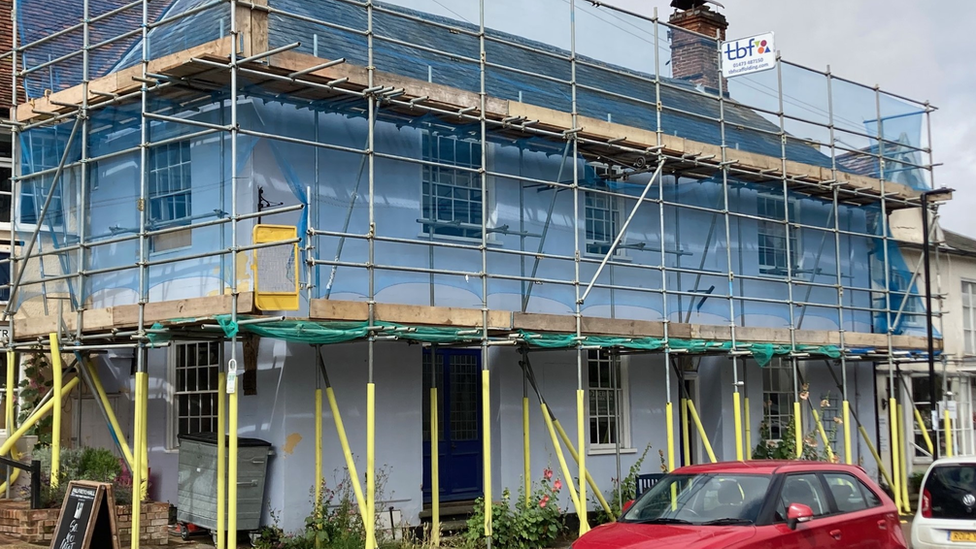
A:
[423,29]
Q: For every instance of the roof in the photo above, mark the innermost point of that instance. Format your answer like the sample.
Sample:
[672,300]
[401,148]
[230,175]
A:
[960,244]
[604,91]
[37,19]
[531,58]
[764,467]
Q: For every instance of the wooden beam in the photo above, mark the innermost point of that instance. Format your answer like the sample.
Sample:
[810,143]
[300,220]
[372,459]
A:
[329,309]
[118,83]
[126,317]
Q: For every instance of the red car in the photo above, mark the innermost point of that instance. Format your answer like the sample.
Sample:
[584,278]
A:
[756,504]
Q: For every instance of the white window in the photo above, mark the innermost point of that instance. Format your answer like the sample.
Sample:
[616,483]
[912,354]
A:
[608,408]
[169,184]
[194,368]
[902,299]
[778,397]
[42,151]
[969,317]
[451,197]
[170,195]
[772,236]
[602,222]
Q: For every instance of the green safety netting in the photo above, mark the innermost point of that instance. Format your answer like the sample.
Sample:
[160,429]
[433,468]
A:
[331,332]
[763,353]
[326,333]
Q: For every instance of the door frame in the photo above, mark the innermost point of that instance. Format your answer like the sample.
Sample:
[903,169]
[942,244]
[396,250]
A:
[443,355]
[697,449]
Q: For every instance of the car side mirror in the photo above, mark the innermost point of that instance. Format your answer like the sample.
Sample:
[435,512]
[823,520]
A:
[627,506]
[797,513]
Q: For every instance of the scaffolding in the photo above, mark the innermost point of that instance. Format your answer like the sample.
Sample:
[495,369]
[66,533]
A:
[564,181]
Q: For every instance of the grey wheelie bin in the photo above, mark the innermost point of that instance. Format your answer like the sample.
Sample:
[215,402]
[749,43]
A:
[197,501]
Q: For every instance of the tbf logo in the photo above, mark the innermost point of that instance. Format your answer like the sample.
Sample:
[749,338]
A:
[744,49]
[748,55]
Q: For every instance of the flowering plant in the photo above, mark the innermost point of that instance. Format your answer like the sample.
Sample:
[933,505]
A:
[528,522]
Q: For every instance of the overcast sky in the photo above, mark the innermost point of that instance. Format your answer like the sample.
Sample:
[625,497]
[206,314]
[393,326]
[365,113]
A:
[920,49]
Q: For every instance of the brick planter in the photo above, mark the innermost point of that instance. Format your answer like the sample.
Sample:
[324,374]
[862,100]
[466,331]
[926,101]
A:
[19,521]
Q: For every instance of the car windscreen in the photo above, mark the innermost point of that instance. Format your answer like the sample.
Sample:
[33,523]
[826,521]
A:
[952,489]
[703,499]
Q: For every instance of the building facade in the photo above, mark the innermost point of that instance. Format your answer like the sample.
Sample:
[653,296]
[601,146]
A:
[408,197]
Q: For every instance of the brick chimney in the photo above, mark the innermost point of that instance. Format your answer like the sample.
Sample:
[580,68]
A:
[694,58]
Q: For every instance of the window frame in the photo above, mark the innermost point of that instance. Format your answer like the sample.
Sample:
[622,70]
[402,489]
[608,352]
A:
[779,365]
[177,240]
[172,397]
[615,211]
[969,313]
[857,484]
[18,191]
[438,164]
[626,442]
[824,489]
[778,228]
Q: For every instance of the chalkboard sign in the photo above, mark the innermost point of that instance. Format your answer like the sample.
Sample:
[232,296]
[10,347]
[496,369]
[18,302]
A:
[87,518]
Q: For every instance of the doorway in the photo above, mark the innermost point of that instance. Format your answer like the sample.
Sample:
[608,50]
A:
[458,376]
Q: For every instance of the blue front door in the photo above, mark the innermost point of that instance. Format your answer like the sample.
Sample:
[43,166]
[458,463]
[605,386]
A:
[458,375]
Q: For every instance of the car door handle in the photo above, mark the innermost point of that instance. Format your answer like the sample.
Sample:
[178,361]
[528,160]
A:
[835,534]
[882,524]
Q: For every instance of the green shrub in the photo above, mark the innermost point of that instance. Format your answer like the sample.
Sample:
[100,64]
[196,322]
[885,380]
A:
[527,524]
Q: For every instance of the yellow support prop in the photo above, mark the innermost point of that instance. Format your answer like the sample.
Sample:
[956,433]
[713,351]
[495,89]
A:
[584,526]
[222,460]
[948,432]
[798,429]
[371,465]
[669,417]
[701,431]
[486,445]
[9,445]
[357,488]
[318,448]
[232,417]
[144,448]
[435,471]
[737,419]
[877,456]
[685,431]
[823,433]
[895,453]
[527,451]
[112,419]
[559,457]
[589,479]
[925,432]
[748,430]
[848,449]
[903,435]
[9,396]
[9,405]
[137,442]
[56,428]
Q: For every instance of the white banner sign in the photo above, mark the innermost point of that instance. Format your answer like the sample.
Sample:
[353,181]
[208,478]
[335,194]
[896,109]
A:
[748,55]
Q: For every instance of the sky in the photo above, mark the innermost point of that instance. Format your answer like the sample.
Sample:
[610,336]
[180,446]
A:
[919,49]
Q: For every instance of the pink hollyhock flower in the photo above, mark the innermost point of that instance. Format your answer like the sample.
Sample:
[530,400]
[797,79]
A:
[547,473]
[543,501]
[558,485]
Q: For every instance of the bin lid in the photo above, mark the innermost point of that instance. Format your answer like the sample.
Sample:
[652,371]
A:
[211,438]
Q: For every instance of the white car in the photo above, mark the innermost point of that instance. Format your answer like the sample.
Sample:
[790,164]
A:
[946,515]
